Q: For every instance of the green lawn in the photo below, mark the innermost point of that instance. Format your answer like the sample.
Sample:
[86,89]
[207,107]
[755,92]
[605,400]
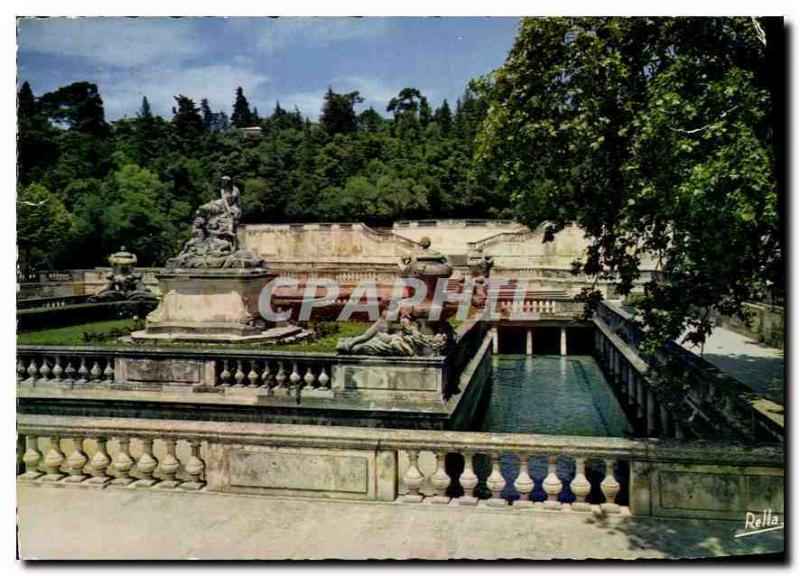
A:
[109,332]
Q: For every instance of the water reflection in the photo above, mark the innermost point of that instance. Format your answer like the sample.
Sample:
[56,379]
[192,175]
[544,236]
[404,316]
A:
[558,395]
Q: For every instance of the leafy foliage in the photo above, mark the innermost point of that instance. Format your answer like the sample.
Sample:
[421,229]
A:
[654,135]
[137,183]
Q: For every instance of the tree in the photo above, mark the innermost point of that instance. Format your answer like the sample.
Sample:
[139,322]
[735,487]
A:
[37,146]
[338,112]
[144,110]
[208,115]
[444,118]
[241,116]
[424,112]
[78,106]
[653,135]
[405,106]
[187,121]
[44,228]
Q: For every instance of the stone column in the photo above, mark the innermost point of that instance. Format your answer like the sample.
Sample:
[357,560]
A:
[563,341]
[529,342]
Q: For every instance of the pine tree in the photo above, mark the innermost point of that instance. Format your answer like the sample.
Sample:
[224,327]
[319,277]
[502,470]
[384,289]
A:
[144,110]
[208,115]
[26,103]
[242,116]
[444,118]
[187,121]
[424,112]
[338,112]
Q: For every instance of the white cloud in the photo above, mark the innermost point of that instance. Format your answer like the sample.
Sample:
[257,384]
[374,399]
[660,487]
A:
[273,35]
[122,94]
[113,41]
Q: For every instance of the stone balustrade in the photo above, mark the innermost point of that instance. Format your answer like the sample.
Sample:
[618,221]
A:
[65,368]
[50,302]
[301,375]
[68,367]
[674,393]
[507,471]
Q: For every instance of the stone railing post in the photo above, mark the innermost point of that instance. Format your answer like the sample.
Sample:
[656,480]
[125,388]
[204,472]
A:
[469,481]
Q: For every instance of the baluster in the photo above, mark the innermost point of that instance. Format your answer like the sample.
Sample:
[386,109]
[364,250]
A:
[83,372]
[108,373]
[413,478]
[99,464]
[640,399]
[664,418]
[252,376]
[495,483]
[146,465]
[552,484]
[580,486]
[169,465]
[280,377]
[76,461]
[123,463]
[194,468]
[324,379]
[58,371]
[523,484]
[21,370]
[238,376]
[294,377]
[225,375]
[96,372]
[31,458]
[53,461]
[44,371]
[440,480]
[469,481]
[309,378]
[33,371]
[266,376]
[69,372]
[610,487]
[631,387]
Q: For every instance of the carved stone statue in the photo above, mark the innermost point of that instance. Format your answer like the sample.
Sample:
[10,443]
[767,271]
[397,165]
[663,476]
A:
[381,340]
[123,282]
[415,335]
[480,264]
[214,243]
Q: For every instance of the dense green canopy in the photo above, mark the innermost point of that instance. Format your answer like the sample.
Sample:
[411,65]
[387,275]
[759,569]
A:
[137,180]
[655,135]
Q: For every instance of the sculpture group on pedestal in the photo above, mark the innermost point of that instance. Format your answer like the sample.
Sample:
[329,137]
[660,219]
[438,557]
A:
[210,291]
[214,243]
[123,282]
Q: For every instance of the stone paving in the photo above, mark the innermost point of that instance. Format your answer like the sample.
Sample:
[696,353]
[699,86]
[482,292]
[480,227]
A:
[76,522]
[760,367]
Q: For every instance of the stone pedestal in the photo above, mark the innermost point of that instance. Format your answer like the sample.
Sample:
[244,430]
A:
[211,305]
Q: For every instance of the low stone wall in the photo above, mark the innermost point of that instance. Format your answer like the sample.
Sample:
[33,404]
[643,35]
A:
[306,243]
[612,475]
[453,237]
[674,392]
[767,324]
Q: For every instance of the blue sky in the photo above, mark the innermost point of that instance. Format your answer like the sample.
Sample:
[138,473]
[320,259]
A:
[292,60]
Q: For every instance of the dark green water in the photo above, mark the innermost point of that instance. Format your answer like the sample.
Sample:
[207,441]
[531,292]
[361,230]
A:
[561,395]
